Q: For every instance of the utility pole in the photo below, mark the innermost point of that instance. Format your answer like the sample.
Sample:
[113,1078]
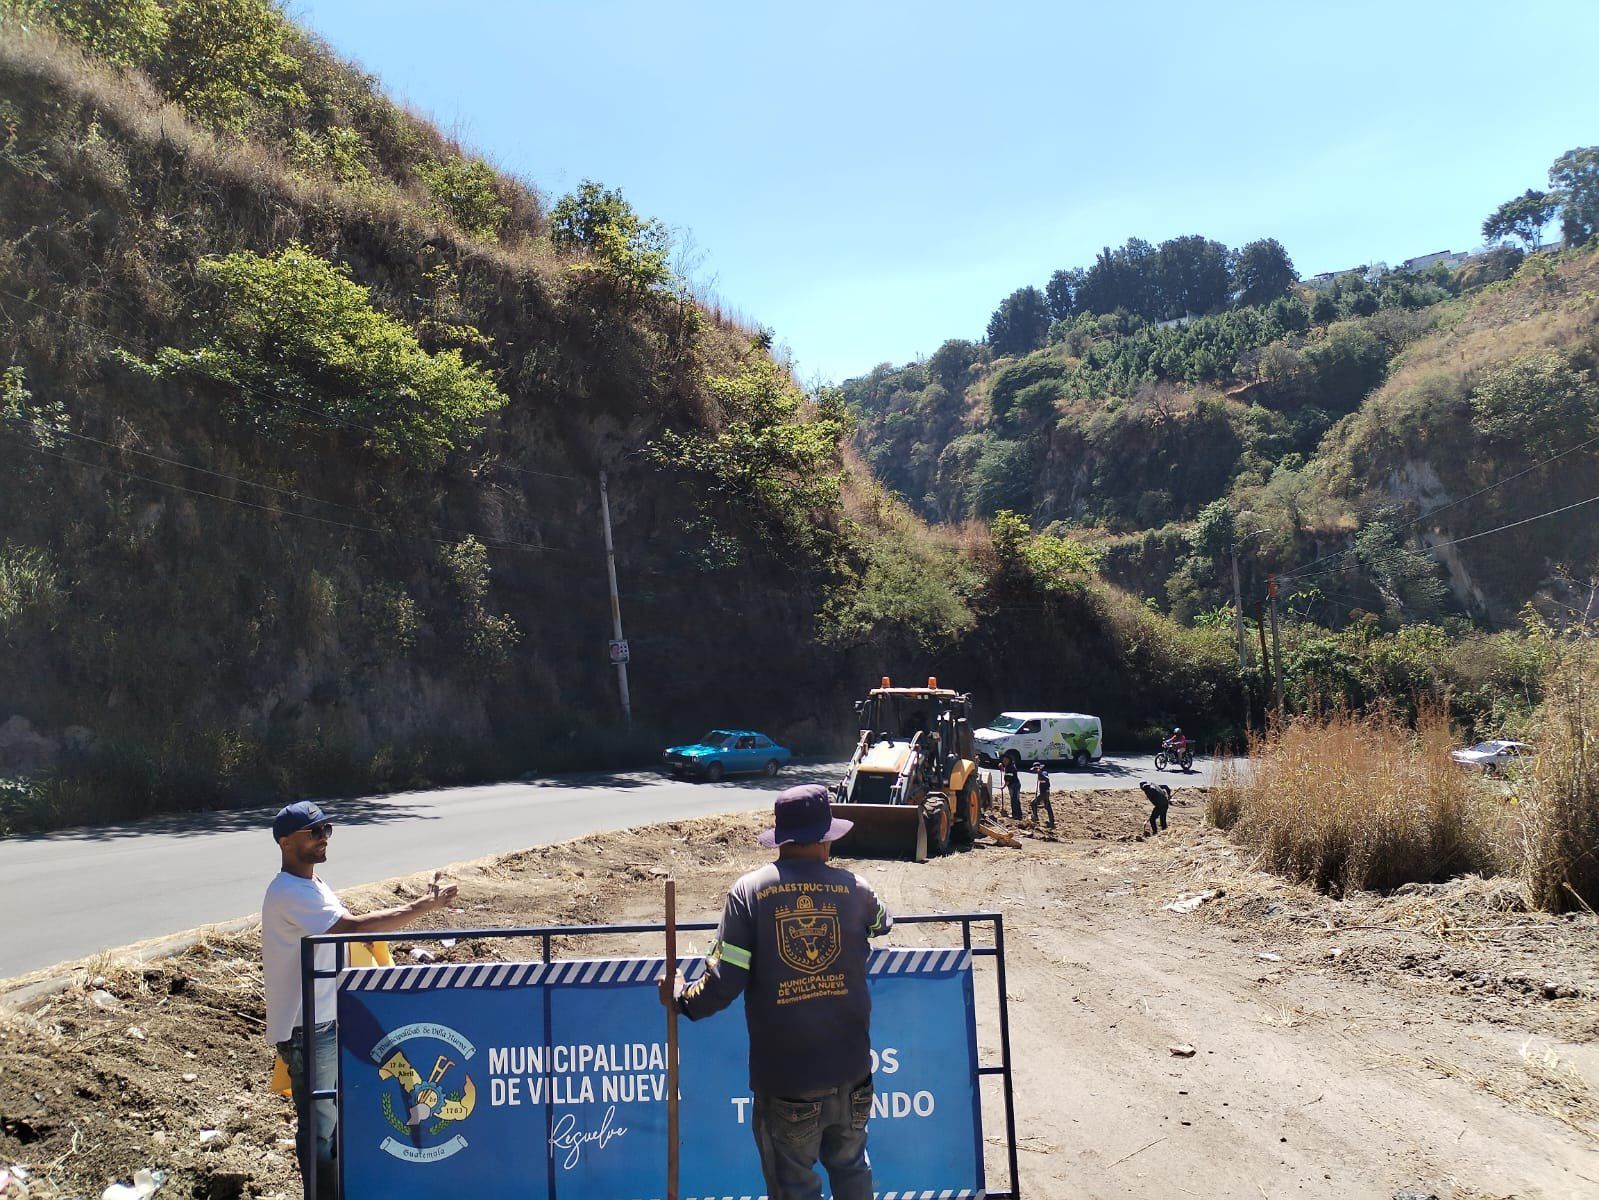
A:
[1238,622]
[1238,606]
[1276,646]
[619,657]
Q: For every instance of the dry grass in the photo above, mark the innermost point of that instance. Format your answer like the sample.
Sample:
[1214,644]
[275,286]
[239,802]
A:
[1347,802]
[1542,1084]
[1352,802]
[1559,827]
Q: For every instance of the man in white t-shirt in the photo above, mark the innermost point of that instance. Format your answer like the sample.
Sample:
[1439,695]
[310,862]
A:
[299,905]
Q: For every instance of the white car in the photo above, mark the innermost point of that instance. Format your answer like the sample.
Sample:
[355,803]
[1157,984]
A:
[1492,757]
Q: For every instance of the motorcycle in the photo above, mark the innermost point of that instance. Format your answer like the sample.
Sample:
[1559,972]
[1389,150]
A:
[1169,754]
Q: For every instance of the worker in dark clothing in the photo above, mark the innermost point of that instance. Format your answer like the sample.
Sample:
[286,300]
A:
[1158,795]
[1041,794]
[794,939]
[1013,785]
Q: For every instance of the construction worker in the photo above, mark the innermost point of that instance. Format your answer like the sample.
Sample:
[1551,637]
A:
[1159,796]
[793,939]
[1013,785]
[1041,793]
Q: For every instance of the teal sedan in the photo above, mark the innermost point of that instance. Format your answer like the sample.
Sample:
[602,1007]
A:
[727,752]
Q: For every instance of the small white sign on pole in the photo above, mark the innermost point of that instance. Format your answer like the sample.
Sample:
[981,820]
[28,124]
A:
[619,652]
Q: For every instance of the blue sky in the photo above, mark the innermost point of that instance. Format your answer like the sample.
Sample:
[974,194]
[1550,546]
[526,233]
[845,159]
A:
[867,180]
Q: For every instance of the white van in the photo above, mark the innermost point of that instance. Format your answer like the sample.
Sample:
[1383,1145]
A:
[1027,737]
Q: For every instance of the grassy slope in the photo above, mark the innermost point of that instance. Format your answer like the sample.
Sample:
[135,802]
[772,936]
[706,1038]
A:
[210,648]
[1132,470]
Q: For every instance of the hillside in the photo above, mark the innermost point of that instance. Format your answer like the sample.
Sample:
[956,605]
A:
[304,413]
[1356,427]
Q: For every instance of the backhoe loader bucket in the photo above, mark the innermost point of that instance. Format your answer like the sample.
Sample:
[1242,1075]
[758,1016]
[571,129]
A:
[883,831]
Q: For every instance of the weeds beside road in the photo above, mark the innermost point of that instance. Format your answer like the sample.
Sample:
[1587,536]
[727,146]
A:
[1349,802]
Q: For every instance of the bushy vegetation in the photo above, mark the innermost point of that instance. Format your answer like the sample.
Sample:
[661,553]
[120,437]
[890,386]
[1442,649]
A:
[244,71]
[296,348]
[770,464]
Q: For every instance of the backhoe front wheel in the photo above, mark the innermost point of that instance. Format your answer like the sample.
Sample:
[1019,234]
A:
[935,817]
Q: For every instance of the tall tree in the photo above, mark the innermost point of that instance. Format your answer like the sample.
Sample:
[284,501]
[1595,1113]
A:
[1524,218]
[1574,181]
[1021,322]
[1061,292]
[1195,276]
[1262,272]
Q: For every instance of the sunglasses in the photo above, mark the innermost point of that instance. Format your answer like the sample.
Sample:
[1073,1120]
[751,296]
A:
[321,832]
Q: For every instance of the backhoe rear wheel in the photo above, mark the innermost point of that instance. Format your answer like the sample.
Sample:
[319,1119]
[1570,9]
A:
[966,813]
[935,817]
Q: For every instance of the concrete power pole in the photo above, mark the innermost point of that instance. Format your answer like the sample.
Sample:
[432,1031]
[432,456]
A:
[619,656]
[1238,608]
[1276,648]
[1238,622]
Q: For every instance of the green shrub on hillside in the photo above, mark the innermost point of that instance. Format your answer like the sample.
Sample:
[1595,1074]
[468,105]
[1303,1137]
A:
[223,60]
[1047,562]
[339,154]
[901,586]
[124,33]
[463,192]
[43,423]
[31,592]
[626,246]
[1539,401]
[299,347]
[775,459]
[487,638]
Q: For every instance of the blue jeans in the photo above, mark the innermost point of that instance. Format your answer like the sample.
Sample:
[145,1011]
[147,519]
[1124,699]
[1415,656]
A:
[792,1133]
[323,1137]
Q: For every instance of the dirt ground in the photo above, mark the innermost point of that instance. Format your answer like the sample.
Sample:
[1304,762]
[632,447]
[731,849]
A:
[1439,1043]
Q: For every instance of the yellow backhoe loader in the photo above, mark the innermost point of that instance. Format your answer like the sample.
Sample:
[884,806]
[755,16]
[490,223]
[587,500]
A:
[912,786]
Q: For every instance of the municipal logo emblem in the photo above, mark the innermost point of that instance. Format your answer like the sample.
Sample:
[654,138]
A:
[430,1092]
[807,935]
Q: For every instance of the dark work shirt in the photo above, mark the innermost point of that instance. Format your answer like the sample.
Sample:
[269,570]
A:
[793,939]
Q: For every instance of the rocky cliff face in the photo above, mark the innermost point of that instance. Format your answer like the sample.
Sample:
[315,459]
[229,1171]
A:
[222,605]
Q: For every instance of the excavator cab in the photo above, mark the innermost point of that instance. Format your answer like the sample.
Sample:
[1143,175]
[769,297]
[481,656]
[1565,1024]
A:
[912,785]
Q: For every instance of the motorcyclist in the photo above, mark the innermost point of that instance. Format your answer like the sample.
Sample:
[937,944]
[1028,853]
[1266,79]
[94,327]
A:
[1177,743]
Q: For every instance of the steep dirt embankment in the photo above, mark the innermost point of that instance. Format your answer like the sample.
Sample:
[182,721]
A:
[212,587]
[1440,1041]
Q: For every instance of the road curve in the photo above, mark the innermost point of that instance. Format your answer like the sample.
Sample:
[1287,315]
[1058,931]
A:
[79,891]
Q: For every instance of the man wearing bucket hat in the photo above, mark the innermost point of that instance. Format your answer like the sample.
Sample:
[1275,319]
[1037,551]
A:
[297,905]
[793,939]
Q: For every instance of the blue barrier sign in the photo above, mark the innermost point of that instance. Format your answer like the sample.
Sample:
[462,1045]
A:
[549,1080]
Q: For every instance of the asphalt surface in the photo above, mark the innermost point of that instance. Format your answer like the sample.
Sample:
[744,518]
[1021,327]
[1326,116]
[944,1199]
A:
[79,891]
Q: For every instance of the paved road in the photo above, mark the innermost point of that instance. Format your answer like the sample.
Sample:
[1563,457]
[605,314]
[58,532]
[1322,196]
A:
[80,891]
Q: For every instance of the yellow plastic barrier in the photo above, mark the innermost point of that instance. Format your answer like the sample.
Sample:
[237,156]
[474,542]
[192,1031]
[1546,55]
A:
[362,954]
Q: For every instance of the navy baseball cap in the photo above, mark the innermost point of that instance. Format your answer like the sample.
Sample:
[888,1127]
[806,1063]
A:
[302,814]
[804,814]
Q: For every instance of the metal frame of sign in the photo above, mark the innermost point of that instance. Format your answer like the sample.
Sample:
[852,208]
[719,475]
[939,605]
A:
[309,975]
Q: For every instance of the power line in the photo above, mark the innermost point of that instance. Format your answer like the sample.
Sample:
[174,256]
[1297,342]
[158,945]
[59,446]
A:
[1514,524]
[1301,572]
[494,543]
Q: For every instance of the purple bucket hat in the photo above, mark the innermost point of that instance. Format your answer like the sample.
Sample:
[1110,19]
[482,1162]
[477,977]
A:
[804,814]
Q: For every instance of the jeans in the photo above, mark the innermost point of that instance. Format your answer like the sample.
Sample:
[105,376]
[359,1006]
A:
[1014,787]
[1042,798]
[323,1139]
[793,1133]
[1159,814]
